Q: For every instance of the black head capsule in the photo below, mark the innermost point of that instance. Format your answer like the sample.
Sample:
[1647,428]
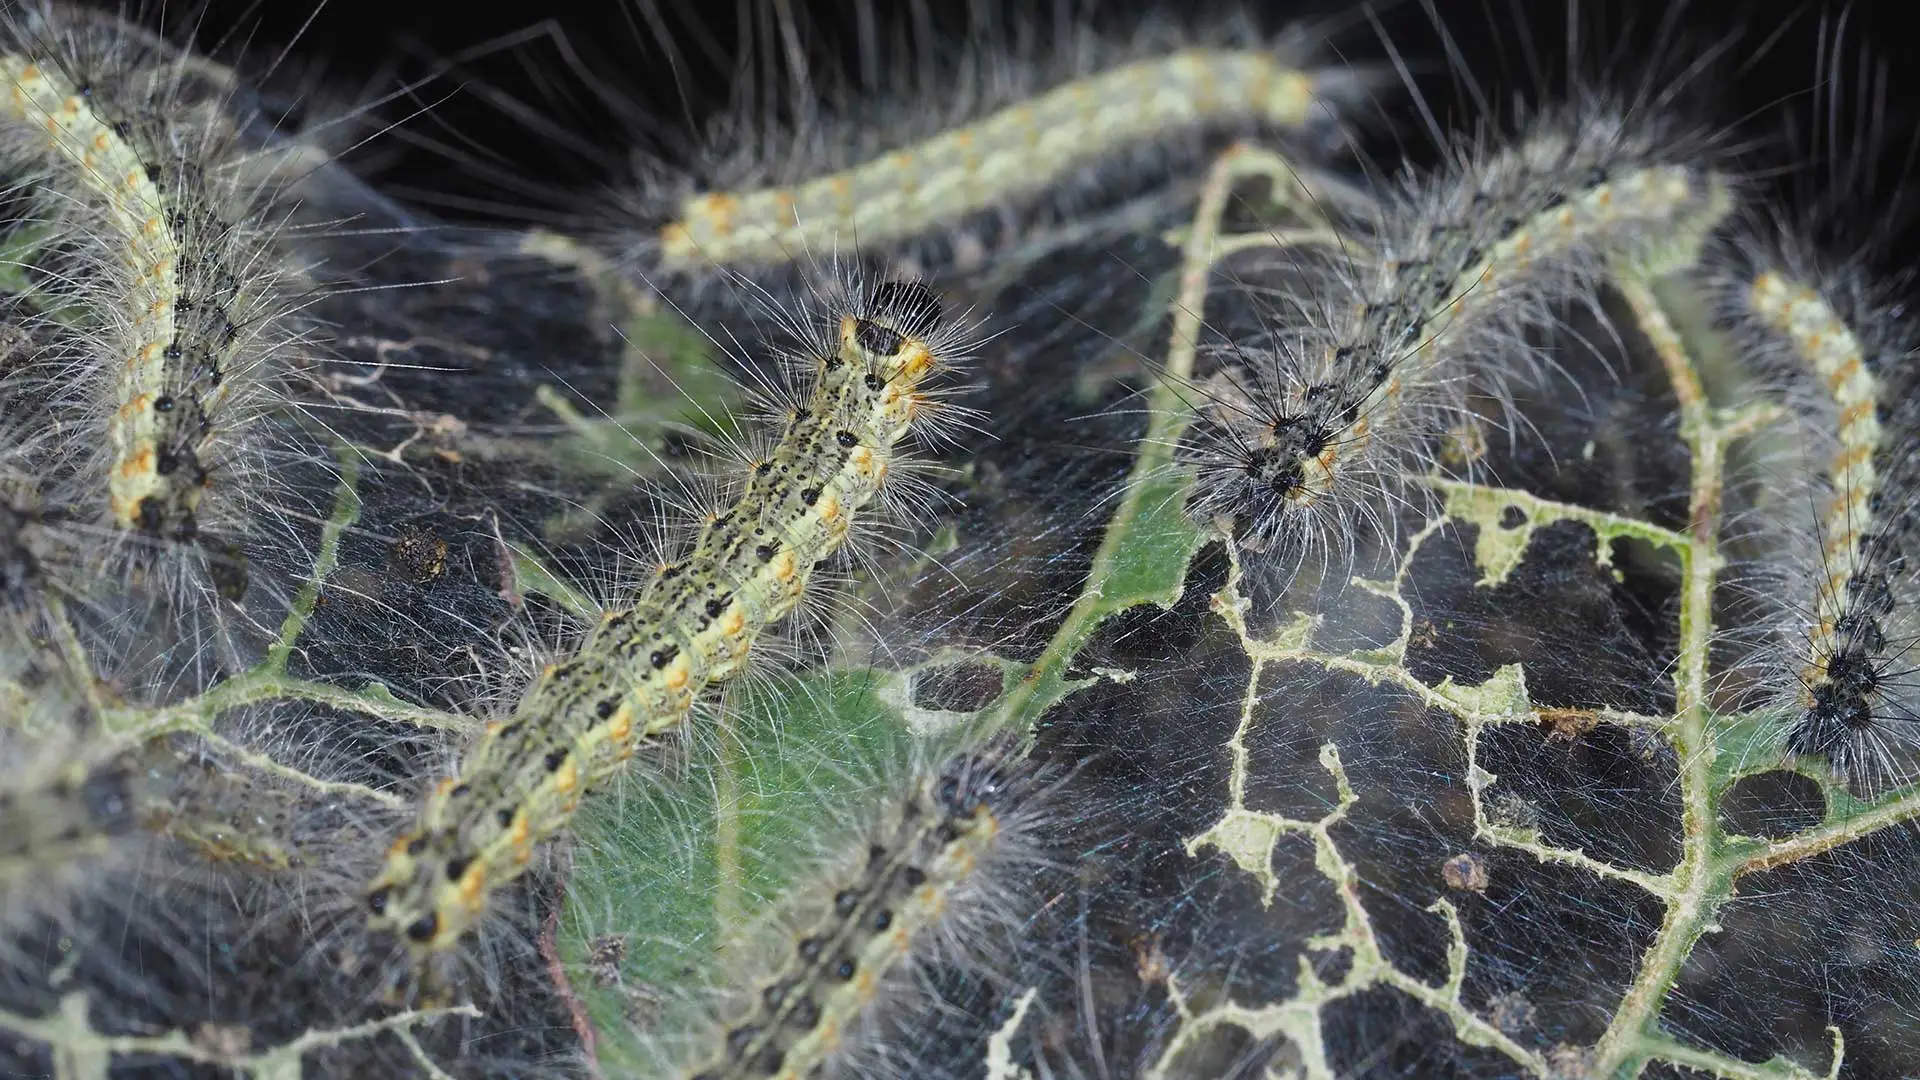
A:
[1275,470]
[1851,673]
[908,306]
[877,339]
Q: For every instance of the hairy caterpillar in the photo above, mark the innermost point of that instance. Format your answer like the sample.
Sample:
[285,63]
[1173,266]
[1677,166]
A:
[77,818]
[1855,692]
[1816,312]
[1303,429]
[37,692]
[61,810]
[1009,155]
[963,136]
[19,525]
[926,873]
[106,161]
[642,668]
[163,242]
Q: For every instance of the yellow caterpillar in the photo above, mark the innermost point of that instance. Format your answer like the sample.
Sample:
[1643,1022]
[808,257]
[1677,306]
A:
[1822,339]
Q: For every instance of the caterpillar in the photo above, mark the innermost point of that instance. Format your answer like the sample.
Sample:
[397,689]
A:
[65,804]
[76,813]
[163,242]
[642,668]
[1305,427]
[37,692]
[20,557]
[60,810]
[1855,705]
[925,883]
[1007,156]
[1815,311]
[963,136]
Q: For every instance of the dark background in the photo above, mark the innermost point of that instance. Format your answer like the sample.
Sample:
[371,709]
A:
[578,107]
